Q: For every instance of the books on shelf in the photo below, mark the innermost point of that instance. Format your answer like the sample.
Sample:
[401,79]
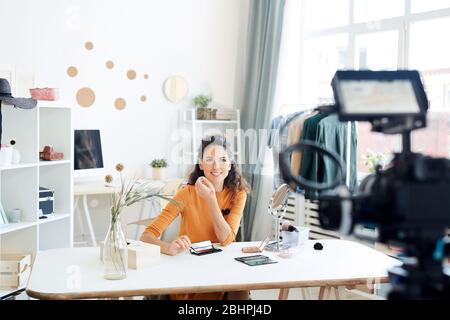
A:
[225,114]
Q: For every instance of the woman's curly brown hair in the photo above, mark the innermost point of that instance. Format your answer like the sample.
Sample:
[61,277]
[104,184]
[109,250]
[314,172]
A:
[234,181]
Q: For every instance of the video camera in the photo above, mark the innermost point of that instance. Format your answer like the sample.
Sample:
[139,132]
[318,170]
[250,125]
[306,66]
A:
[408,203]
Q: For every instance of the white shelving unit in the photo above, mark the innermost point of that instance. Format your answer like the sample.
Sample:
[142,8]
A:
[200,128]
[50,123]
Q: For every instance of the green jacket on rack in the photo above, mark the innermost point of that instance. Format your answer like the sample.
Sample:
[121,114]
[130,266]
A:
[329,132]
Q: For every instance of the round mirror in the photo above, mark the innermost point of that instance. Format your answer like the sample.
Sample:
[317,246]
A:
[175,88]
[277,208]
[279,200]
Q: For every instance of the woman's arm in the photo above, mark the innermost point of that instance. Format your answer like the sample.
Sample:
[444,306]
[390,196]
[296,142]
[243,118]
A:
[206,190]
[180,244]
[221,227]
[165,218]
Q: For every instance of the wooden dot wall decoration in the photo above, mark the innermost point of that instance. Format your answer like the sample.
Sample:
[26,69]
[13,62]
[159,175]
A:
[85,97]
[131,74]
[120,103]
[109,64]
[72,71]
[89,45]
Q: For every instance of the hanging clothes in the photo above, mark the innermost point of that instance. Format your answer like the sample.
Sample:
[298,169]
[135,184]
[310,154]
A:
[278,140]
[294,135]
[329,132]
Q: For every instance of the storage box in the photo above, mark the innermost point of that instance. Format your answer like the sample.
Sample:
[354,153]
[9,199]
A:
[140,254]
[48,94]
[295,238]
[11,280]
[14,270]
[46,201]
[14,262]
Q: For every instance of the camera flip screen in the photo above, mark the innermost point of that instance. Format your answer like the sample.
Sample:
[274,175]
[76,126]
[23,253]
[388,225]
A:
[365,95]
[379,97]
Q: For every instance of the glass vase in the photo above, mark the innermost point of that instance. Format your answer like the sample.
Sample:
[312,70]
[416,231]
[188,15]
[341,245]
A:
[115,253]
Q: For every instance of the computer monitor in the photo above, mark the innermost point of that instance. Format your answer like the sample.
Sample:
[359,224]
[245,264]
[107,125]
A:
[88,156]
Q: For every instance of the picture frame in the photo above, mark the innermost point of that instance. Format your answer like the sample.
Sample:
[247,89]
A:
[3,216]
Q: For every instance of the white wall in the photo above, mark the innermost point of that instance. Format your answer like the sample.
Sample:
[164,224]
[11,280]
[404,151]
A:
[201,40]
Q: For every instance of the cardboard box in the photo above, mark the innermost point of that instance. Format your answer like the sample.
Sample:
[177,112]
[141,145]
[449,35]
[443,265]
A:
[15,270]
[14,280]
[15,263]
[140,254]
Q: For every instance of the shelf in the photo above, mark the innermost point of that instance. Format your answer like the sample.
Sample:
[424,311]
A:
[11,227]
[55,217]
[52,163]
[53,105]
[6,292]
[18,166]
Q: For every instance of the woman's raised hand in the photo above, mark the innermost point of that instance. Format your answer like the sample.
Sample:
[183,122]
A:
[205,189]
[179,245]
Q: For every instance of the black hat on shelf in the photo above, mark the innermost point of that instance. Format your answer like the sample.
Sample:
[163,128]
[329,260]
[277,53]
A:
[7,98]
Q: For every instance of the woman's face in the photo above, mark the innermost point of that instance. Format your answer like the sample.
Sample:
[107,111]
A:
[215,163]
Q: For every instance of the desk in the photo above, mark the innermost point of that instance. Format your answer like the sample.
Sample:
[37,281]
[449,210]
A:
[83,190]
[76,273]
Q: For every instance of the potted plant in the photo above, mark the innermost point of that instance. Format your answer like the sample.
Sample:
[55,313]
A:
[158,168]
[201,102]
[371,159]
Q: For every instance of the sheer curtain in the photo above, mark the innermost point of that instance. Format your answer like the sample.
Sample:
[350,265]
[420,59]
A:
[263,47]
[286,97]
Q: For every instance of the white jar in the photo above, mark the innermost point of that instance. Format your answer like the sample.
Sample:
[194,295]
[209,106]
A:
[6,154]
[15,156]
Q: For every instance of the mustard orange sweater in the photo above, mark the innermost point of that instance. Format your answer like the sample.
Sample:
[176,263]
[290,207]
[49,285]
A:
[196,221]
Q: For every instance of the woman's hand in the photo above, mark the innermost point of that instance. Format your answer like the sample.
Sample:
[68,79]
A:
[205,189]
[179,245]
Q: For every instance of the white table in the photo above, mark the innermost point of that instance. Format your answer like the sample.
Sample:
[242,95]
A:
[83,190]
[77,273]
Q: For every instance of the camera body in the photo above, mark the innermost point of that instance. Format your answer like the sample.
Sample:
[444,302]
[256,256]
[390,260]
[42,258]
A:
[406,204]
[407,201]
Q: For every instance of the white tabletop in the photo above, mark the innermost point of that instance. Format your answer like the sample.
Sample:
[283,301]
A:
[77,272]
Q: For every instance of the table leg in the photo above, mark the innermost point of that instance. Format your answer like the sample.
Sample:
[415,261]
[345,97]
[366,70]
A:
[88,220]
[324,293]
[306,294]
[77,213]
[284,293]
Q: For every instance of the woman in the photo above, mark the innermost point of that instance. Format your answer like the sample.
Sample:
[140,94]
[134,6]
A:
[211,207]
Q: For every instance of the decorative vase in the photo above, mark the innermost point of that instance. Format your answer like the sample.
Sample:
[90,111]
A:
[202,113]
[158,173]
[115,252]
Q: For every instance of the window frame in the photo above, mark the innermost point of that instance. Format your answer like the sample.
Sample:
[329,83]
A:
[401,24]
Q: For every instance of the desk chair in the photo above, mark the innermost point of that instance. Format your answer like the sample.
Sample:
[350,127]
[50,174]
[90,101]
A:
[170,188]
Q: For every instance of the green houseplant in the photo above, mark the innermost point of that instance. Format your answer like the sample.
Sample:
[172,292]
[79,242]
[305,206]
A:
[158,168]
[202,102]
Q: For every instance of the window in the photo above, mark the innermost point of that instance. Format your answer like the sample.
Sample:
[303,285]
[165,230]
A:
[365,11]
[380,35]
[429,5]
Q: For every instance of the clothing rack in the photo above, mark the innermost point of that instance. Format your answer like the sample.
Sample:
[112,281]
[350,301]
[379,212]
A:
[307,210]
